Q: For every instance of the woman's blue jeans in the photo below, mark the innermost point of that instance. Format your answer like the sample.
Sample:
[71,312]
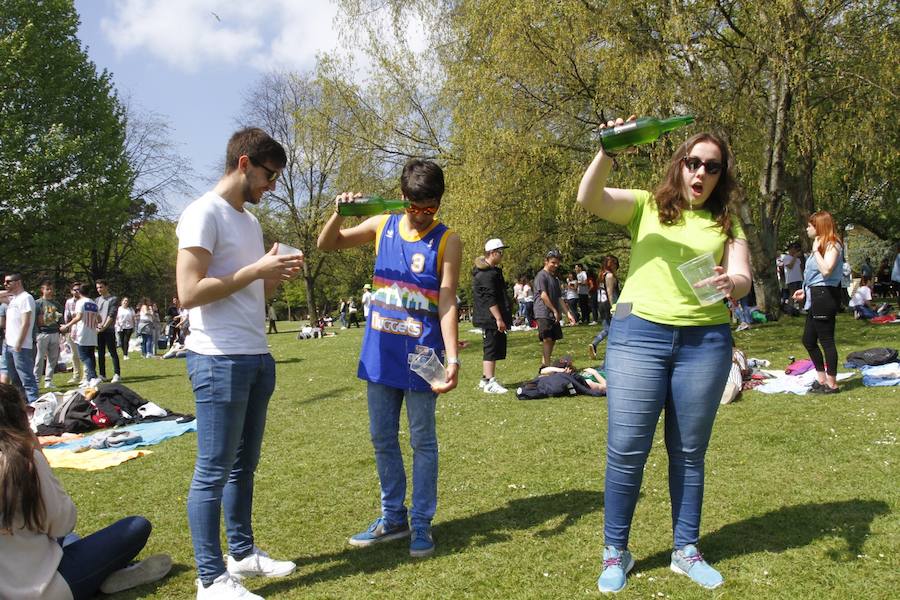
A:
[147,344]
[231,395]
[90,560]
[651,367]
[384,427]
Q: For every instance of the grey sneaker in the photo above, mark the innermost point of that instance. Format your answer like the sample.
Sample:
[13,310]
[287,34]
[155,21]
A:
[688,561]
[380,531]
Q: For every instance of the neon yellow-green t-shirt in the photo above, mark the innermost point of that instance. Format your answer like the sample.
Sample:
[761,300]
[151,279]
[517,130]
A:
[655,286]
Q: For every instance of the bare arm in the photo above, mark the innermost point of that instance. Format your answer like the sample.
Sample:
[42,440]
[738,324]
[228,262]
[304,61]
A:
[826,263]
[611,204]
[332,237]
[195,288]
[447,311]
[734,278]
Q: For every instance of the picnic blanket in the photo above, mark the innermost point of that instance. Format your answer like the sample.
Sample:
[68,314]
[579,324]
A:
[78,453]
[90,460]
[792,384]
[881,375]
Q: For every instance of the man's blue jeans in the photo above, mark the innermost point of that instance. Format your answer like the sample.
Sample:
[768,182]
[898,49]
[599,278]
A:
[87,562]
[86,354]
[20,367]
[232,394]
[649,367]
[384,426]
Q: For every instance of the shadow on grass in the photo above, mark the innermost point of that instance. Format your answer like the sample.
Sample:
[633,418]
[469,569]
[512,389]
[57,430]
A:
[789,527]
[287,361]
[454,536]
[326,395]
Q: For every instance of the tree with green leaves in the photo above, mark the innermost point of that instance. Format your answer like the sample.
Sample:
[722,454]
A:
[64,175]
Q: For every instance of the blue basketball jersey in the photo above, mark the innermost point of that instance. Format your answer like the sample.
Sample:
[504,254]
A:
[403,314]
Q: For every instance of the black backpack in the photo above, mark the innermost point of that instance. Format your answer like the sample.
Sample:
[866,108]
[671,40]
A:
[871,357]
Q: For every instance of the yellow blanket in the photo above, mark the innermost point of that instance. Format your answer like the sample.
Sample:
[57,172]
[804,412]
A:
[90,460]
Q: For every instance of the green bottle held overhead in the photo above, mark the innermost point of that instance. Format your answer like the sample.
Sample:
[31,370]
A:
[370,205]
[640,131]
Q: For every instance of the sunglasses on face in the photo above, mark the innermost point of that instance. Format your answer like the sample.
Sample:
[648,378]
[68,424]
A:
[427,210]
[693,165]
[270,174]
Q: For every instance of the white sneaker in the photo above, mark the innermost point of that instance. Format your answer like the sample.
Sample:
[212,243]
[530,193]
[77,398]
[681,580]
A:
[93,382]
[125,357]
[743,327]
[259,564]
[494,387]
[225,587]
[481,383]
[73,379]
[115,379]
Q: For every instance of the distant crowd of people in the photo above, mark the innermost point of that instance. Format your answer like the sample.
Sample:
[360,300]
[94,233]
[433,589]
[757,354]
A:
[37,333]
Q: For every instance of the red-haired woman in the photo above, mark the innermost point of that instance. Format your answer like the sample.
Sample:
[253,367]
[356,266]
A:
[821,289]
[666,350]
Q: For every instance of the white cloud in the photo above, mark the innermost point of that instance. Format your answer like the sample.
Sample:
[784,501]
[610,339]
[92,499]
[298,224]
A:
[193,34]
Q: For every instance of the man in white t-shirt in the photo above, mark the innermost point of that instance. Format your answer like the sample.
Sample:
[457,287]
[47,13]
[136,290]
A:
[83,325]
[224,275]
[19,354]
[793,268]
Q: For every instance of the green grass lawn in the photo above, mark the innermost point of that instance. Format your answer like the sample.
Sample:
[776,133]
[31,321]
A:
[801,492]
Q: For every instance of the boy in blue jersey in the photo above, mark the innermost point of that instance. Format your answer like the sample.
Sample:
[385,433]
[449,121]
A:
[413,306]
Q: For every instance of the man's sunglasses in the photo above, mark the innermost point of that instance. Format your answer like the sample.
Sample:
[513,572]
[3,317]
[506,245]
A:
[272,175]
[427,210]
[693,165]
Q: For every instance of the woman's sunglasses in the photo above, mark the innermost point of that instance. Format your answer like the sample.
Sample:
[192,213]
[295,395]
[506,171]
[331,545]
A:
[415,210]
[693,165]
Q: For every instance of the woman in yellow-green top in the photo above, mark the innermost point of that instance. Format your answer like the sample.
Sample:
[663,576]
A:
[665,349]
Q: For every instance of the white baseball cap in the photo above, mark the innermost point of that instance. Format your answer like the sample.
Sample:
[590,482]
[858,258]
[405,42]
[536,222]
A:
[494,244]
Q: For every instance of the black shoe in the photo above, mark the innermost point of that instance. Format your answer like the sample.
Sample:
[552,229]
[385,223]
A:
[816,387]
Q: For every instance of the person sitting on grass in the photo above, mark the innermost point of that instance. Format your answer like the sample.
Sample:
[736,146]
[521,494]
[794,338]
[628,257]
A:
[860,302]
[36,515]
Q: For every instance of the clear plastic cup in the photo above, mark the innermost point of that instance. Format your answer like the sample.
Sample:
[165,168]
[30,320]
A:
[284,250]
[428,366]
[699,272]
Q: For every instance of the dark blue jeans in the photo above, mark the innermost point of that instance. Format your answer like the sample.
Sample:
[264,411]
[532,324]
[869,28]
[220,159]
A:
[90,560]
[20,368]
[86,354]
[651,367]
[232,395]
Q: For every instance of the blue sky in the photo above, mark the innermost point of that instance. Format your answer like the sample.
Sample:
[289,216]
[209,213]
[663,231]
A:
[192,61]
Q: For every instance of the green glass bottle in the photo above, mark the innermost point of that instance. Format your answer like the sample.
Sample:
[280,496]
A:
[370,205]
[640,131]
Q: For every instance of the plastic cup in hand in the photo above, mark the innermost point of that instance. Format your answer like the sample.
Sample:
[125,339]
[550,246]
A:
[699,273]
[428,366]
[284,250]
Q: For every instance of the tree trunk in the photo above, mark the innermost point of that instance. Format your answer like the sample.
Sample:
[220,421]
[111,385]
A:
[763,239]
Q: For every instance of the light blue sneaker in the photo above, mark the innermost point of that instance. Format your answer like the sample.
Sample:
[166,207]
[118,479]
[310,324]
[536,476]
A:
[616,565]
[380,531]
[688,561]
[421,544]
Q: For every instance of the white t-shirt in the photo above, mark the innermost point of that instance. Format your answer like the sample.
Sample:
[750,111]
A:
[581,279]
[85,331]
[794,273]
[366,302]
[21,308]
[236,324]
[124,318]
[527,294]
[862,295]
